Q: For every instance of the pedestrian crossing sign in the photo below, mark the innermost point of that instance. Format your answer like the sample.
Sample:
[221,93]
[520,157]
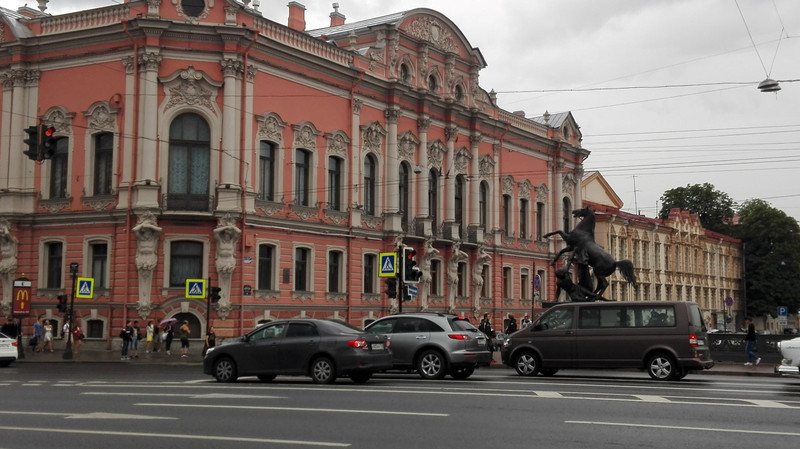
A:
[85,288]
[388,266]
[196,288]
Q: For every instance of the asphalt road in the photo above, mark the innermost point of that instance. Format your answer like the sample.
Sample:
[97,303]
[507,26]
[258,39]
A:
[119,405]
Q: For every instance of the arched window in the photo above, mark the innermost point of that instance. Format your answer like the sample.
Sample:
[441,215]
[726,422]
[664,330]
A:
[523,218]
[432,84]
[58,171]
[335,173]
[103,161]
[370,176]
[189,158]
[483,205]
[433,195]
[506,214]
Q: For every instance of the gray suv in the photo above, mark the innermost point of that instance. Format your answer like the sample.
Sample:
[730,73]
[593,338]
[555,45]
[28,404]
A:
[434,344]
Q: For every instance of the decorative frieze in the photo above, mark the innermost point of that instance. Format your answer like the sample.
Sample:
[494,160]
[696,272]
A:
[429,29]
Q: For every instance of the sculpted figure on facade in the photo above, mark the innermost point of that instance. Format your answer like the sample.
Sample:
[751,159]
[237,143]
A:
[8,263]
[456,258]
[227,235]
[477,277]
[147,233]
[425,266]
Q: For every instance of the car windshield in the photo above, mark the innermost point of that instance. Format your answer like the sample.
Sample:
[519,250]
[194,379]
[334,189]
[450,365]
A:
[2,335]
[462,324]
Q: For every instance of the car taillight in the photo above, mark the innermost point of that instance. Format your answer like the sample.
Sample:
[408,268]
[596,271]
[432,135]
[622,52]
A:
[358,343]
[13,343]
[458,336]
[692,340]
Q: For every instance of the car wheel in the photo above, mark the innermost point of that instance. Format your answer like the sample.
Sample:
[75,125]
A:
[360,378]
[526,363]
[680,374]
[225,370]
[266,377]
[661,367]
[431,365]
[462,373]
[549,372]
[5,363]
[323,371]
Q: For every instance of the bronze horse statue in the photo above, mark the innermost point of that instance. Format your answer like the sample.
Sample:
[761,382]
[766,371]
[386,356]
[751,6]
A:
[587,253]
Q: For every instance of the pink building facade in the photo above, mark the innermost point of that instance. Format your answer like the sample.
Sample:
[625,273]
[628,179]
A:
[275,162]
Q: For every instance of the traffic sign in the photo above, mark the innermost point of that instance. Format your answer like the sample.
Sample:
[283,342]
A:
[196,288]
[85,288]
[388,266]
[413,290]
[729,301]
[783,311]
[537,283]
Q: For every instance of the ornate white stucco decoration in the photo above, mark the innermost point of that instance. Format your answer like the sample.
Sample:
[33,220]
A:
[463,156]
[102,117]
[147,234]
[525,188]
[508,184]
[190,87]
[436,151]
[486,166]
[569,182]
[372,135]
[227,235]
[270,126]
[430,30]
[541,193]
[406,147]
[305,136]
[192,19]
[337,143]
[60,119]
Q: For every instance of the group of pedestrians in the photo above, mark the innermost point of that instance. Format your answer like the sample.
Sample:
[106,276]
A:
[158,336]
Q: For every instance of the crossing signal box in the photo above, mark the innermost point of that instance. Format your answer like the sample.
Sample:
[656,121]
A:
[411,272]
[391,288]
[213,294]
[62,303]
[32,142]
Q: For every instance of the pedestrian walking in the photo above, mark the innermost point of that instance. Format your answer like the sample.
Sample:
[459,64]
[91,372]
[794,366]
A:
[136,335]
[184,335]
[126,335]
[511,324]
[485,326]
[36,342]
[211,340]
[525,322]
[750,343]
[48,336]
[169,335]
[77,339]
[150,332]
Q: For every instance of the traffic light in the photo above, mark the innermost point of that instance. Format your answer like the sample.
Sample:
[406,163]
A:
[411,272]
[391,288]
[62,303]
[48,142]
[33,143]
[213,293]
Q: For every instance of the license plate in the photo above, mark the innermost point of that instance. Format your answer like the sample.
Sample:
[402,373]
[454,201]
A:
[377,346]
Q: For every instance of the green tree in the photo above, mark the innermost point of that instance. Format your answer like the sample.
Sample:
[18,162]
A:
[771,241]
[715,208]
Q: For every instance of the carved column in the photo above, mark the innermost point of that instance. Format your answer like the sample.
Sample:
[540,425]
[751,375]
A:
[450,226]
[392,177]
[423,219]
[355,163]
[474,230]
[227,235]
[147,234]
[147,188]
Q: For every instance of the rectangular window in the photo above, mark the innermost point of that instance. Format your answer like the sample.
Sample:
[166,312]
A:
[55,261]
[525,284]
[435,272]
[334,271]
[462,279]
[99,260]
[485,286]
[334,183]
[506,282]
[523,219]
[103,161]
[506,215]
[539,221]
[301,271]
[265,267]
[370,270]
[186,262]
[58,169]
[301,177]
[266,171]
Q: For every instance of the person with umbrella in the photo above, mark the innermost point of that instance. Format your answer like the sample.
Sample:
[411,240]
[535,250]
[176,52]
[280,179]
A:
[167,326]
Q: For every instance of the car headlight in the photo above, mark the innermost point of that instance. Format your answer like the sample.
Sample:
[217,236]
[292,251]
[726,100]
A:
[208,351]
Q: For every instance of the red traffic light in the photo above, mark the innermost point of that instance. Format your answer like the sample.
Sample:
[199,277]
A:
[49,131]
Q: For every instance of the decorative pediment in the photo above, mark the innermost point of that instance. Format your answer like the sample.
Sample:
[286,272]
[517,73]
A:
[436,151]
[305,136]
[372,135]
[190,87]
[541,193]
[60,119]
[508,185]
[486,166]
[525,188]
[406,146]
[461,163]
[432,30]
[102,117]
[337,143]
[270,127]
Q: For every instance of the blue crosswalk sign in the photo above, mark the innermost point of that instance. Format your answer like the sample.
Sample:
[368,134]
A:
[388,266]
[195,288]
[85,288]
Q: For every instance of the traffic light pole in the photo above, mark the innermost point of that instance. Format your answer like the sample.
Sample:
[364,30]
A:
[73,269]
[401,296]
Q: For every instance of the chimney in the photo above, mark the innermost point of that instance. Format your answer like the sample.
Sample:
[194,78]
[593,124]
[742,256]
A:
[297,16]
[337,19]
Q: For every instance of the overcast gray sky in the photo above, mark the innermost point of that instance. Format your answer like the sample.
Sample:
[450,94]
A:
[656,86]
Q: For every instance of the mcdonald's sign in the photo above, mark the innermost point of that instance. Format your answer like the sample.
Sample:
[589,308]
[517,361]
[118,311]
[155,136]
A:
[22,297]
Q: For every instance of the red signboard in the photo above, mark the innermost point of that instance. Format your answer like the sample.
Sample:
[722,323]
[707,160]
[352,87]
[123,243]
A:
[22,297]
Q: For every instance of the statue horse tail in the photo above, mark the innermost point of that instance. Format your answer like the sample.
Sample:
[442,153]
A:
[626,268]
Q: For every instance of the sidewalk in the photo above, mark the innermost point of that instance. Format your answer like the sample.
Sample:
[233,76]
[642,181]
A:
[95,355]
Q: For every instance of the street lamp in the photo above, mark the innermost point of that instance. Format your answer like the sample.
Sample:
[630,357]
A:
[73,270]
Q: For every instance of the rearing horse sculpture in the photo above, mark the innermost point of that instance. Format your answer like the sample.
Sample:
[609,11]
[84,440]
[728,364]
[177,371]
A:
[587,253]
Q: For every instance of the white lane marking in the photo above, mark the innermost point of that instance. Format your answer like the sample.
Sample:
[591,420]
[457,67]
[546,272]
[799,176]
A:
[651,398]
[92,415]
[768,404]
[185,395]
[178,436]
[297,409]
[549,394]
[699,429]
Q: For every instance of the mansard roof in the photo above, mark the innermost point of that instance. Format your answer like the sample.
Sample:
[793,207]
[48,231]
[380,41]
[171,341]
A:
[13,20]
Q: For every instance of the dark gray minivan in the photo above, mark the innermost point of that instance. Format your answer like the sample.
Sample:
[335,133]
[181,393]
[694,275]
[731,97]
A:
[666,338]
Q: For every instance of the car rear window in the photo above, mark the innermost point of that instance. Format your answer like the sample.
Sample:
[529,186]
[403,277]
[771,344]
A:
[461,324]
[343,328]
